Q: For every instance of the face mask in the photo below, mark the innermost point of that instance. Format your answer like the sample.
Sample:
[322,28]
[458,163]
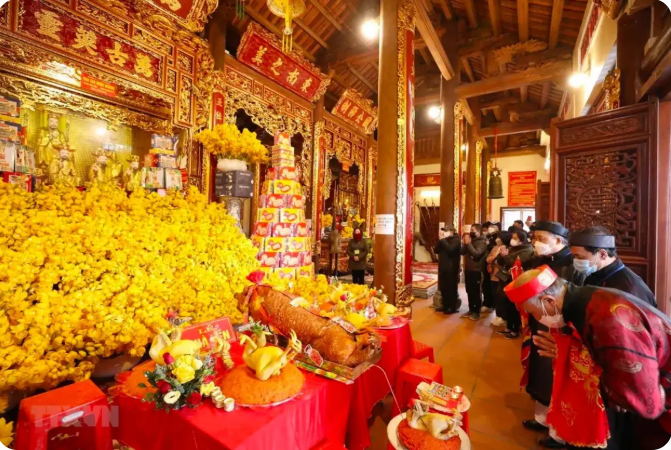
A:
[584,266]
[492,230]
[514,243]
[541,248]
[449,234]
[474,235]
[556,321]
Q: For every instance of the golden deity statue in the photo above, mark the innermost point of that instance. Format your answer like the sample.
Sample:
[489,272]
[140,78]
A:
[100,172]
[62,169]
[114,166]
[132,176]
[51,139]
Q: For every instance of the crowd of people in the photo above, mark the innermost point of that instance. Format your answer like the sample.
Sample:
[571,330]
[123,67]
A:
[595,348]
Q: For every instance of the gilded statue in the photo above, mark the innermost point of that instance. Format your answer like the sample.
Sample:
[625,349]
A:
[132,176]
[100,172]
[114,166]
[62,169]
[51,140]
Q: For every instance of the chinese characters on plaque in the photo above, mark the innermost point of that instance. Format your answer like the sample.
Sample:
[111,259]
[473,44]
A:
[262,52]
[357,110]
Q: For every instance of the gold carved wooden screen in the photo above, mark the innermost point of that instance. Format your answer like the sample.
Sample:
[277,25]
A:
[604,174]
[350,148]
[122,61]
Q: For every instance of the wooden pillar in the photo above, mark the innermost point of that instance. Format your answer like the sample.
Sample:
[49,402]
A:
[449,181]
[471,175]
[216,36]
[484,177]
[633,32]
[394,191]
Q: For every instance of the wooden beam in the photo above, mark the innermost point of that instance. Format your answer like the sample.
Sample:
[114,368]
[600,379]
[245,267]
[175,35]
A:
[363,79]
[530,59]
[523,19]
[330,17]
[519,151]
[474,47]
[506,128]
[499,103]
[555,25]
[426,56]
[495,16]
[432,40]
[467,68]
[524,93]
[446,7]
[545,94]
[514,80]
[497,113]
[311,32]
[427,99]
[340,80]
[362,57]
[428,5]
[470,12]
[266,23]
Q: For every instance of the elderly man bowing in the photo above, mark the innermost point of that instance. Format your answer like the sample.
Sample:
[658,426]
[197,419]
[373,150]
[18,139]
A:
[628,341]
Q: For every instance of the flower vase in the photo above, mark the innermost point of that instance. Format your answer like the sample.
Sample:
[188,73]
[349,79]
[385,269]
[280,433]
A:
[229,165]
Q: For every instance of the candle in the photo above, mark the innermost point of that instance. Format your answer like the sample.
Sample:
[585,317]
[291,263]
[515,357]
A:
[454,400]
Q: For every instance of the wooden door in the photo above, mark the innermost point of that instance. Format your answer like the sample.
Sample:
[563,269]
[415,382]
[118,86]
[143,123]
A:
[604,173]
[543,201]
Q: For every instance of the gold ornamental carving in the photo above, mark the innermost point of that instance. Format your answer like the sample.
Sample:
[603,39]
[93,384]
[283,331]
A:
[611,89]
[479,145]
[406,16]
[34,94]
[316,182]
[458,117]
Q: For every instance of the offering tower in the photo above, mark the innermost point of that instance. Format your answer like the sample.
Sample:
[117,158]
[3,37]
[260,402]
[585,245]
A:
[281,232]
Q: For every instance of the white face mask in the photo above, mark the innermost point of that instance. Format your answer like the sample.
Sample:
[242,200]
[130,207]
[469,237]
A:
[541,248]
[514,243]
[492,230]
[556,321]
[584,266]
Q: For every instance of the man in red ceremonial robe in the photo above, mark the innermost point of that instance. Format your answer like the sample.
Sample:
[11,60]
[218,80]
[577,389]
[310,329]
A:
[628,340]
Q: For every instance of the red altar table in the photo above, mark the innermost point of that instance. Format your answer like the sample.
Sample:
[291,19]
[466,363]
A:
[325,411]
[372,386]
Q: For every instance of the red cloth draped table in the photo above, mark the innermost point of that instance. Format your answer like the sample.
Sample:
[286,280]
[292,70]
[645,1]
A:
[372,386]
[317,415]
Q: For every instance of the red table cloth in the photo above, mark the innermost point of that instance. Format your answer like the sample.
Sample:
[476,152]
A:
[317,415]
[372,386]
[325,411]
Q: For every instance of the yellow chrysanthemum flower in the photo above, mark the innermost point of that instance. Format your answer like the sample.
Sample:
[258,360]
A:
[6,432]
[88,275]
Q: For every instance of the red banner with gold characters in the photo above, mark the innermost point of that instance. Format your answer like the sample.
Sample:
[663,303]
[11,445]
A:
[217,108]
[262,51]
[97,86]
[60,28]
[427,180]
[356,110]
[522,188]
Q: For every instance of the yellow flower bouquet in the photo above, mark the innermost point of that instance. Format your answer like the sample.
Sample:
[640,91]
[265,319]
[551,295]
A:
[327,220]
[226,141]
[89,275]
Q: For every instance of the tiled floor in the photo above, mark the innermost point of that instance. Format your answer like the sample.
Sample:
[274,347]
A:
[487,366]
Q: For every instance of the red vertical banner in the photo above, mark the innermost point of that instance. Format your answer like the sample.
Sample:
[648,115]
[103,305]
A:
[319,185]
[522,188]
[409,151]
[217,108]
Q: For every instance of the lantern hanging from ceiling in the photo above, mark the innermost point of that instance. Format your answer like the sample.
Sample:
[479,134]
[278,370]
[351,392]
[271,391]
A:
[288,9]
[495,181]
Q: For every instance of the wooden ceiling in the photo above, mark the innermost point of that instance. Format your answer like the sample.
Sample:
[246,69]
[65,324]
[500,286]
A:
[514,55]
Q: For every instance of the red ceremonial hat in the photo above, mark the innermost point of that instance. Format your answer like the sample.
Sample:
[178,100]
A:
[530,284]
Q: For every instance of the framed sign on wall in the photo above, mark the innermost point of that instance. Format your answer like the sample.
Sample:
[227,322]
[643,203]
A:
[522,188]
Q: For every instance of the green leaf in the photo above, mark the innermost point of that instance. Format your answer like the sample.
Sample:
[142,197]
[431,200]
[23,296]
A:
[142,385]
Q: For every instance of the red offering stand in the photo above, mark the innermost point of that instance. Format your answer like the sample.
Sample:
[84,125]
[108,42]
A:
[71,417]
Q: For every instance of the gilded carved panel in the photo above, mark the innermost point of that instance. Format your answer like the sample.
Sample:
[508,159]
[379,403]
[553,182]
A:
[152,41]
[103,17]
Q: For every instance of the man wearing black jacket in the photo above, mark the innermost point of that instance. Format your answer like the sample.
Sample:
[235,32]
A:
[474,247]
[551,246]
[448,249]
[595,257]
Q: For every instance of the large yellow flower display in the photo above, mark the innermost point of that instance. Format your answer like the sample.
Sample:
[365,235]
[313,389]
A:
[87,275]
